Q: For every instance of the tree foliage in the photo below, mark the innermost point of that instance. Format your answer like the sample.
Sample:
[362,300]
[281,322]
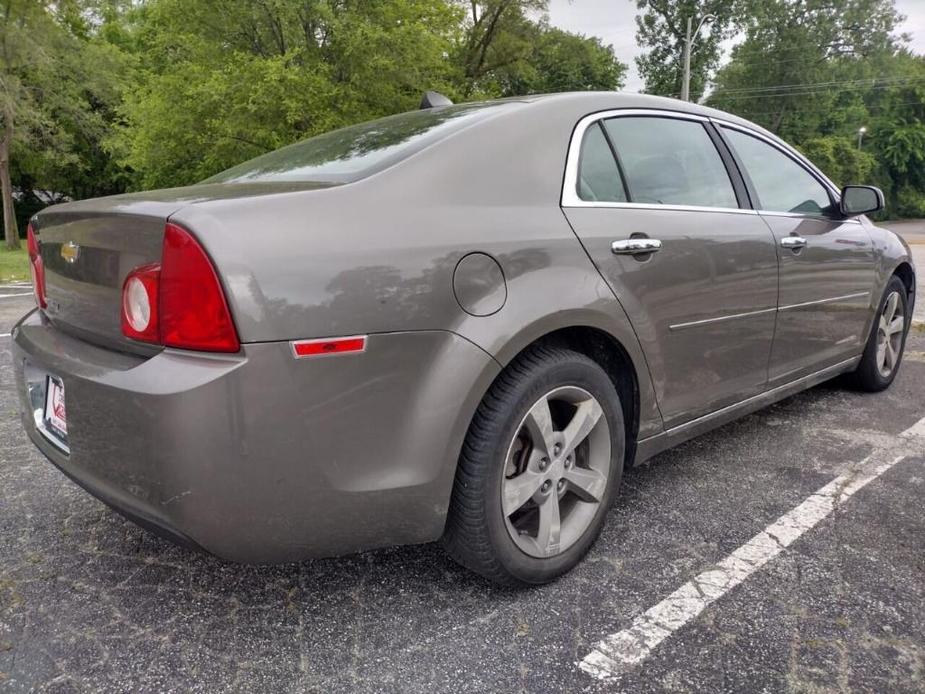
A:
[60,82]
[559,62]
[115,94]
[101,96]
[225,80]
[661,27]
[805,65]
[816,71]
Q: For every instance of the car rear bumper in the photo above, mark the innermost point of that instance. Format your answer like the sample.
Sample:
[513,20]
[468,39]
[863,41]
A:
[260,457]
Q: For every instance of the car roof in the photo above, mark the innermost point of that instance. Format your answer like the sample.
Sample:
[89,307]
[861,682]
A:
[591,101]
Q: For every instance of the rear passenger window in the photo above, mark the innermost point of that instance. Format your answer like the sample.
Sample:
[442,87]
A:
[782,184]
[669,161]
[598,176]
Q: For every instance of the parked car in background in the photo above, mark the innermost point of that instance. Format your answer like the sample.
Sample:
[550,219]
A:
[460,323]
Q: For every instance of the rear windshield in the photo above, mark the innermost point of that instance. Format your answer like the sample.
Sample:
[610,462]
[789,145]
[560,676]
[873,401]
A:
[348,154]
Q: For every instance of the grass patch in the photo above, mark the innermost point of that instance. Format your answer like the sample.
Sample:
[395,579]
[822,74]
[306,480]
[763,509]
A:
[14,265]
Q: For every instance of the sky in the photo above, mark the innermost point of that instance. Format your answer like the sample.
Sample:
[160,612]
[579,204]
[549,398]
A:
[613,21]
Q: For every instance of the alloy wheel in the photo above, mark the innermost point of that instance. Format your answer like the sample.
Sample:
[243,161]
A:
[556,471]
[890,331]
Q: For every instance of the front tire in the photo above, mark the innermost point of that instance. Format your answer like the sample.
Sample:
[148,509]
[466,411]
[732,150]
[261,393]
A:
[540,466]
[883,353]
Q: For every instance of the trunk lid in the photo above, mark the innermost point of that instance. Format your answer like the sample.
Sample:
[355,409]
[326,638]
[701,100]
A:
[89,247]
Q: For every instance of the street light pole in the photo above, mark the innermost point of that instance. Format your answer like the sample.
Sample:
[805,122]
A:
[861,132]
[689,39]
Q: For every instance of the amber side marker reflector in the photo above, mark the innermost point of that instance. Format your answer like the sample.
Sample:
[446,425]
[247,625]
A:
[328,346]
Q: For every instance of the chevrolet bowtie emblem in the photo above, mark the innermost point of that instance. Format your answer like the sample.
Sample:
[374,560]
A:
[70,252]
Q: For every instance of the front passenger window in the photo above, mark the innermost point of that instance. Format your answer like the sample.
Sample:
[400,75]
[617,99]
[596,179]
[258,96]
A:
[781,183]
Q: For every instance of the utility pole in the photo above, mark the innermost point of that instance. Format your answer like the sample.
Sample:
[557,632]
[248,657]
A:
[689,39]
[686,79]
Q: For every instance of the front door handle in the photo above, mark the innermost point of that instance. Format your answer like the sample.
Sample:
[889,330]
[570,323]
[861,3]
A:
[793,242]
[635,246]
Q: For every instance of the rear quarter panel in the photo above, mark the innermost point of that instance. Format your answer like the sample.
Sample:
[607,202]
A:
[379,255]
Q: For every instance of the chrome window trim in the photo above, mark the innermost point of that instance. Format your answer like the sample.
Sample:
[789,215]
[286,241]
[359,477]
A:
[570,181]
[570,197]
[798,159]
[656,206]
[786,150]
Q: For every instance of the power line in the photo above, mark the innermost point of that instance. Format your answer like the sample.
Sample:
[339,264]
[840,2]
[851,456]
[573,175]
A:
[812,92]
[863,81]
[813,87]
[869,109]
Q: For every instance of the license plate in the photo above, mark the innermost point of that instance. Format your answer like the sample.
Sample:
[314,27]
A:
[55,418]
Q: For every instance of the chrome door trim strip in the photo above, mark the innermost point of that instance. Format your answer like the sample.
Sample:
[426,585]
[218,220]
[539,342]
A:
[749,314]
[766,394]
[856,295]
[721,319]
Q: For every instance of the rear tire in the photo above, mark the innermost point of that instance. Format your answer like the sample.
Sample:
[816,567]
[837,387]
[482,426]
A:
[540,466]
[884,351]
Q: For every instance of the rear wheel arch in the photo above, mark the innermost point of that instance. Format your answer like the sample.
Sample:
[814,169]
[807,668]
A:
[611,355]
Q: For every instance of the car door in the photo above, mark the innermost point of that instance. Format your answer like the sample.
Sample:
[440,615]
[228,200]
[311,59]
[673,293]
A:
[826,261]
[657,203]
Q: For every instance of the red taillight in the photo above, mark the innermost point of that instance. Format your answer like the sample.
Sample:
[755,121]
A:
[37,266]
[180,302]
[140,294]
[194,313]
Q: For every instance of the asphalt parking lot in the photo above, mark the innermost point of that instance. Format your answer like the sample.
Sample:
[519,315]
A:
[89,602]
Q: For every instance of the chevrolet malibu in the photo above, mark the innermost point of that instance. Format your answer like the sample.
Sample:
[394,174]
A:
[461,323]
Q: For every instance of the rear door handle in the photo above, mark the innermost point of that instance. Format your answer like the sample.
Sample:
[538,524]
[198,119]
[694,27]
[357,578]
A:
[635,246]
[793,242]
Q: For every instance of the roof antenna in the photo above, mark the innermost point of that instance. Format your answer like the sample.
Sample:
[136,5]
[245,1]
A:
[433,100]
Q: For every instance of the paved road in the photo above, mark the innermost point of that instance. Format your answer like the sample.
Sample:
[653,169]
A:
[88,602]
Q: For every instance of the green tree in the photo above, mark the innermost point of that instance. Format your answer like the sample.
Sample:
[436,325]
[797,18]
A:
[816,72]
[59,84]
[804,65]
[27,35]
[840,159]
[225,80]
[560,61]
[221,81]
[497,36]
[896,126]
[661,27]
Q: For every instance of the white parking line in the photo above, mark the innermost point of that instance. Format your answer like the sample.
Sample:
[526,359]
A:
[917,430]
[620,651]
[5,334]
[10,296]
